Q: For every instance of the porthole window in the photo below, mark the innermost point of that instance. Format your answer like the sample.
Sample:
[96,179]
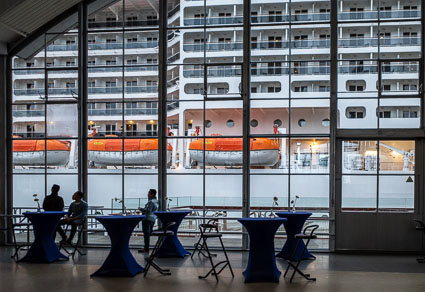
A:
[302,122]
[208,124]
[326,122]
[277,123]
[254,123]
[230,123]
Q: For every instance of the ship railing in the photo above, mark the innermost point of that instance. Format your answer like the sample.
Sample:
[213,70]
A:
[360,15]
[127,111]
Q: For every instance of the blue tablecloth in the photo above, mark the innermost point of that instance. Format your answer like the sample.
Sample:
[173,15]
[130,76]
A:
[44,249]
[120,262]
[261,262]
[293,226]
[171,246]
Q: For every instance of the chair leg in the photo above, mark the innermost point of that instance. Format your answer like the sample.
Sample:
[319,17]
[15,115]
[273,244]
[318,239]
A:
[197,248]
[227,258]
[211,261]
[150,259]
[296,267]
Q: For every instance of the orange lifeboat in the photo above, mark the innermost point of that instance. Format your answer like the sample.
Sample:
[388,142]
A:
[31,152]
[228,151]
[141,152]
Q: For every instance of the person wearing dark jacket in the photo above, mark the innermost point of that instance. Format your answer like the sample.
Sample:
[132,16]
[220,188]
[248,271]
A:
[53,202]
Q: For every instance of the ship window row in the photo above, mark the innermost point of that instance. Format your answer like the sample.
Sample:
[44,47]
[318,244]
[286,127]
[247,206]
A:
[385,112]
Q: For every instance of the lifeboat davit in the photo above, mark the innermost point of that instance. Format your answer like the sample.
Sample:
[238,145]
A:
[31,152]
[140,152]
[228,151]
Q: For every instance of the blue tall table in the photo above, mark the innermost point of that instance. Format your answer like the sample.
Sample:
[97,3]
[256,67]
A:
[171,246]
[44,249]
[261,262]
[120,262]
[293,226]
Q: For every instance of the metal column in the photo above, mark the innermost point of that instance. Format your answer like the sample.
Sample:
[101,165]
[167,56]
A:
[333,119]
[82,101]
[162,105]
[246,79]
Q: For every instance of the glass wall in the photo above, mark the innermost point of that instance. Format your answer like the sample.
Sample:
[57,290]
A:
[288,99]
[45,122]
[378,176]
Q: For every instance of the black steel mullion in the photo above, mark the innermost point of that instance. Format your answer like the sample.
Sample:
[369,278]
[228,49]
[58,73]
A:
[289,62]
[421,76]
[82,102]
[123,88]
[162,104]
[46,99]
[246,95]
[8,119]
[333,115]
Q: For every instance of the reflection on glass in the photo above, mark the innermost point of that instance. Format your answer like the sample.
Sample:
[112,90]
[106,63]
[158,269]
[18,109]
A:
[359,157]
[309,155]
[397,157]
[396,193]
[358,193]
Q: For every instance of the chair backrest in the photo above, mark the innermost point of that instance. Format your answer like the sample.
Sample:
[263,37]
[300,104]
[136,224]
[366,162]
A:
[419,224]
[210,226]
[312,229]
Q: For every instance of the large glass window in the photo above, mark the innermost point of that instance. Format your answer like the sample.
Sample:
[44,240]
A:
[289,98]
[378,175]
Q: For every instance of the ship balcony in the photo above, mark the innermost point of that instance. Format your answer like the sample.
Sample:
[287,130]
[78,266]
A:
[257,19]
[370,15]
[28,113]
[303,70]
[91,90]
[305,17]
[305,44]
[141,111]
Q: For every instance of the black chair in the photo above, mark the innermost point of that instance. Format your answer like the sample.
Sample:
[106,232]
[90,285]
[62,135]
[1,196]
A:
[74,247]
[420,226]
[211,231]
[294,262]
[162,234]
[199,245]
[11,226]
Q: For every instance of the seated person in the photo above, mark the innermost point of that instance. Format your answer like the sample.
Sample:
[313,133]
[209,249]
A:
[77,213]
[53,202]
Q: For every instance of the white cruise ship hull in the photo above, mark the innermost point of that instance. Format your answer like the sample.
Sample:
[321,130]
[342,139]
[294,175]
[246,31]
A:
[234,158]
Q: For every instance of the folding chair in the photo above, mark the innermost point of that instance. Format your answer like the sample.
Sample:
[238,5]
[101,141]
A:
[10,226]
[420,226]
[161,233]
[211,231]
[199,246]
[76,247]
[294,262]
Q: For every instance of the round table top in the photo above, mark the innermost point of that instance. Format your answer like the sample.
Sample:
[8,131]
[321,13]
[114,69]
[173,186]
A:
[290,213]
[261,219]
[120,217]
[45,213]
[173,211]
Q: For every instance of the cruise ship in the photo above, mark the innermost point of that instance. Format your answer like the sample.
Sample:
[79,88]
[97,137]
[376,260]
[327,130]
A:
[290,91]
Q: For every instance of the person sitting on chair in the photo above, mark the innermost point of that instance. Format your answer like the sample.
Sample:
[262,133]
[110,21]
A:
[77,213]
[149,221]
[53,202]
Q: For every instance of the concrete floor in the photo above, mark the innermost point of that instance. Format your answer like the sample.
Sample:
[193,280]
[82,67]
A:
[334,272]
